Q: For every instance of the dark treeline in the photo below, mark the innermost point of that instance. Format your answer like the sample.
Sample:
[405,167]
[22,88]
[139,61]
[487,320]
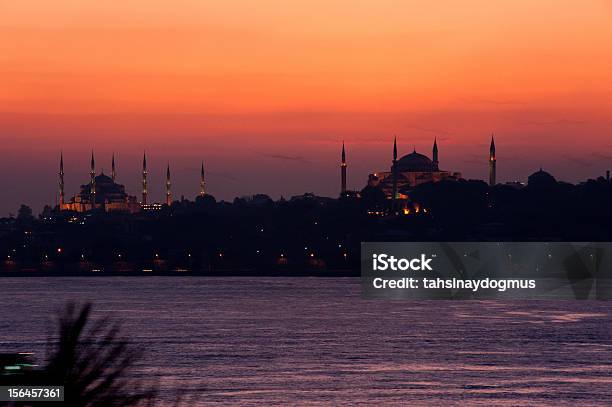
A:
[302,234]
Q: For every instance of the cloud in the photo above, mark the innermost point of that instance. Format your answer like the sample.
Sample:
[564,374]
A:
[577,160]
[483,159]
[475,159]
[602,156]
[441,132]
[285,157]
[496,102]
[187,169]
[222,175]
[386,139]
[558,122]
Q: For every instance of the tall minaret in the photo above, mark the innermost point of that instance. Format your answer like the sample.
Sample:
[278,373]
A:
[92,175]
[113,172]
[61,182]
[144,178]
[435,154]
[168,184]
[394,172]
[202,182]
[343,172]
[492,162]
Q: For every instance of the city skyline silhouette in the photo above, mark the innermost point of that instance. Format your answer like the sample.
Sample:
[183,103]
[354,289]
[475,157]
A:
[268,108]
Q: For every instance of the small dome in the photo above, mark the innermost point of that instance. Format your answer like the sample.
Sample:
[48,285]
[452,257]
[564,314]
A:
[541,178]
[414,162]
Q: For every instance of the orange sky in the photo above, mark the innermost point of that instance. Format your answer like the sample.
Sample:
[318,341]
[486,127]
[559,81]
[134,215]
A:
[254,87]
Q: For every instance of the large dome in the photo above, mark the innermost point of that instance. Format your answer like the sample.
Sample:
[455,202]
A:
[104,179]
[414,162]
[541,178]
[106,189]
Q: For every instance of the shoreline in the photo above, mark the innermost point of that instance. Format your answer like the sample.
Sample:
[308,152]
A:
[217,273]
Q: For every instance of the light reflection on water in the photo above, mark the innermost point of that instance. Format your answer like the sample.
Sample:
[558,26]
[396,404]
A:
[312,340]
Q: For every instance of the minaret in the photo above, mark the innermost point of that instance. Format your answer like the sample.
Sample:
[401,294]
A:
[113,172]
[61,182]
[394,173]
[144,179]
[168,184]
[435,155]
[492,162]
[202,182]
[343,172]
[92,175]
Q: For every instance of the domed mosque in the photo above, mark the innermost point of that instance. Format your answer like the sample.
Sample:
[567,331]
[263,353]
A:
[541,179]
[409,171]
[102,192]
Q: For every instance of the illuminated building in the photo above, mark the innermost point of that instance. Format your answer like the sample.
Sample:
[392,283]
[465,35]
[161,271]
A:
[62,199]
[151,207]
[492,163]
[343,172]
[113,171]
[345,193]
[144,179]
[202,182]
[408,172]
[168,187]
[102,193]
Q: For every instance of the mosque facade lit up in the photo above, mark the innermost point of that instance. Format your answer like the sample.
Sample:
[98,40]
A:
[410,171]
[104,193]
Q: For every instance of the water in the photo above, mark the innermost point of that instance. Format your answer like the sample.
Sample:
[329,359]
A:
[316,341]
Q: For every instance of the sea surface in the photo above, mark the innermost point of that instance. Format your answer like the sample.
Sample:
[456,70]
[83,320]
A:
[310,341]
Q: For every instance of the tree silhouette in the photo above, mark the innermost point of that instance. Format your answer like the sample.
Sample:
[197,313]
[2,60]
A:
[24,214]
[92,360]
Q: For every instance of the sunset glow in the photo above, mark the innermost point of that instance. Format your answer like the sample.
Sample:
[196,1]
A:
[265,91]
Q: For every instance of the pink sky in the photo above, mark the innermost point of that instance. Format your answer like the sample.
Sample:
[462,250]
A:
[265,91]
